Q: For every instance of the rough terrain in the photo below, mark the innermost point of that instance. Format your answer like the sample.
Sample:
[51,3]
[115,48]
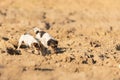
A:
[88,32]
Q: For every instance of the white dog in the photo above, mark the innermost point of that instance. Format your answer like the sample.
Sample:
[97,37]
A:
[46,39]
[29,41]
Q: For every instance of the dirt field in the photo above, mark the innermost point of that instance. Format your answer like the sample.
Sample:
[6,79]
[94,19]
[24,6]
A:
[88,32]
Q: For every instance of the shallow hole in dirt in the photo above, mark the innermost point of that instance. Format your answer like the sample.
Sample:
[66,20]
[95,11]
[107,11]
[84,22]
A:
[12,51]
[5,38]
[43,69]
[118,47]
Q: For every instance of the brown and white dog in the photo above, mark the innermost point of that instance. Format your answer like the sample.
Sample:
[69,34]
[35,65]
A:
[46,39]
[29,41]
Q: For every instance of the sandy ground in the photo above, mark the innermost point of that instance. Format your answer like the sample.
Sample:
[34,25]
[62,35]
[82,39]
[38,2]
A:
[88,32]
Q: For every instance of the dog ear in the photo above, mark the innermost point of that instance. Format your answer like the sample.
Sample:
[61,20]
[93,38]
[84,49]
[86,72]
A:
[55,42]
[49,42]
[42,33]
[52,42]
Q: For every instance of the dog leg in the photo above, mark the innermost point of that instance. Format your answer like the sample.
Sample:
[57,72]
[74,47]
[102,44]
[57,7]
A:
[19,44]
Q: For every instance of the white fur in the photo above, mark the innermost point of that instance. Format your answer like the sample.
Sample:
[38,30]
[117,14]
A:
[27,39]
[44,39]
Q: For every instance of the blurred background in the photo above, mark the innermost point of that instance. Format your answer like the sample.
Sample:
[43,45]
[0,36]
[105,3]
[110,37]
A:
[88,30]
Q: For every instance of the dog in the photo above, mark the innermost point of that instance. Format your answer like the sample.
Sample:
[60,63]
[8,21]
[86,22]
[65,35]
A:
[29,41]
[46,39]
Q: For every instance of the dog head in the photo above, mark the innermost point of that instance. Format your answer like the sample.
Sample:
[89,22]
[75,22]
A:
[36,30]
[53,43]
